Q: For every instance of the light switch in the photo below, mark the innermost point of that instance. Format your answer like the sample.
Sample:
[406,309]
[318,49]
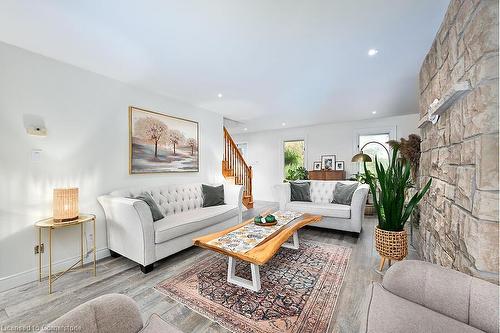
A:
[36,154]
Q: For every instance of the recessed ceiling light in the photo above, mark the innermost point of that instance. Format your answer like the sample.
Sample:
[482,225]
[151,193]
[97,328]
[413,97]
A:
[372,52]
[283,124]
[219,95]
[374,111]
[245,129]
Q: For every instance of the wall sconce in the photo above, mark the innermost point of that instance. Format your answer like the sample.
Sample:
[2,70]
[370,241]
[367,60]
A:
[34,125]
[65,204]
[438,106]
[38,131]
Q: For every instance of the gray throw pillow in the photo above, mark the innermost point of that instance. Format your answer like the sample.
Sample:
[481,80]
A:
[155,210]
[343,193]
[300,191]
[212,195]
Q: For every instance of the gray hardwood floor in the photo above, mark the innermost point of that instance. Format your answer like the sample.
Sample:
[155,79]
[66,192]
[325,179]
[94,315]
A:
[31,305]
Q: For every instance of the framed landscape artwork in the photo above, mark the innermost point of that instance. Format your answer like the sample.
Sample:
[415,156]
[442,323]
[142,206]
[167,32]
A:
[160,143]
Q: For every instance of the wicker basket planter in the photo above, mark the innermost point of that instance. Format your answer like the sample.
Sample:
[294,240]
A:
[391,245]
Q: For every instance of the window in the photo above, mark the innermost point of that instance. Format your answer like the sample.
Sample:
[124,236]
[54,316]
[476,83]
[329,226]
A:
[375,145]
[293,152]
[243,148]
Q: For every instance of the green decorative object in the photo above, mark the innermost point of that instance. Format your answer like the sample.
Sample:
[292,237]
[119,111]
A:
[299,173]
[389,192]
[258,219]
[270,218]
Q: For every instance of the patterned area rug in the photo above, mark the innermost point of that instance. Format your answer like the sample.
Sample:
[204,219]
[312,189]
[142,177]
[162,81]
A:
[298,294]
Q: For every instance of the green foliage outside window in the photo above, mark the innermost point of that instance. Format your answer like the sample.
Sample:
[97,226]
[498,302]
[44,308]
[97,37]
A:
[294,160]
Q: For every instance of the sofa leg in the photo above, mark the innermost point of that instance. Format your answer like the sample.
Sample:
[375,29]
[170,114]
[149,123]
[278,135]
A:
[146,269]
[114,254]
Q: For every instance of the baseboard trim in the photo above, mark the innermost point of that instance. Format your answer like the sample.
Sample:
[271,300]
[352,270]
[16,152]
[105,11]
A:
[18,279]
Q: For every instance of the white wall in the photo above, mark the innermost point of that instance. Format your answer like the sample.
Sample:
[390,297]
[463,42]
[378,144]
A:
[265,149]
[87,146]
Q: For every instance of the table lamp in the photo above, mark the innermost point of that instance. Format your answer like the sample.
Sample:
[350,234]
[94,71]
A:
[65,204]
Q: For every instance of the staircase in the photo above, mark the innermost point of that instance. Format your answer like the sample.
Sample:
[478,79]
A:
[236,170]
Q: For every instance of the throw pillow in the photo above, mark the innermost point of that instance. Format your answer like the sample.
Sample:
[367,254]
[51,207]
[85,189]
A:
[212,195]
[300,191]
[343,193]
[155,210]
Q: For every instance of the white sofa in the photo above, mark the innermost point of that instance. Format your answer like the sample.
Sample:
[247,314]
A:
[133,234]
[335,216]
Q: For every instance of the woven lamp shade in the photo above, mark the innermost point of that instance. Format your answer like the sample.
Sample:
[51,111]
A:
[65,204]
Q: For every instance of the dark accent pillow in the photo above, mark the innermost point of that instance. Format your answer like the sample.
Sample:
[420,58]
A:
[300,191]
[212,195]
[155,210]
[343,193]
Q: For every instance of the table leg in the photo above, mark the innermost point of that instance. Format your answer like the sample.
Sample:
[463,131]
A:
[93,238]
[40,254]
[81,245]
[254,284]
[295,244]
[50,260]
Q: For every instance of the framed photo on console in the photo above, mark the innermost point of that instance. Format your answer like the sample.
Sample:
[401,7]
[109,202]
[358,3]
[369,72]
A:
[328,162]
[159,143]
[339,165]
[317,165]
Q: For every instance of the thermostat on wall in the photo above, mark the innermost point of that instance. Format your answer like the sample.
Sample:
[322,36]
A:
[36,154]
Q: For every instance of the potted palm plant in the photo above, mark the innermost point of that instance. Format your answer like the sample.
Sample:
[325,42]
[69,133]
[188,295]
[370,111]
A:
[389,190]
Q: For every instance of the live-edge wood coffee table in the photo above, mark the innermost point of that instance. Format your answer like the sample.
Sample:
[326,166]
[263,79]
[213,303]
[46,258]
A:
[260,254]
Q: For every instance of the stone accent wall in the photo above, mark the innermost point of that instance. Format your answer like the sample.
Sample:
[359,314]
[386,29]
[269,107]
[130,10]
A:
[459,217]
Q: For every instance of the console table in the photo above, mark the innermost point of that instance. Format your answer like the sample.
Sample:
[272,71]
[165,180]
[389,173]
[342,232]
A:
[50,225]
[327,174]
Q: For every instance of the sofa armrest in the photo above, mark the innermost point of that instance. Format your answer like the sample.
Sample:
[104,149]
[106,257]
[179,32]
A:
[233,194]
[358,204]
[449,292]
[130,228]
[282,193]
[112,313]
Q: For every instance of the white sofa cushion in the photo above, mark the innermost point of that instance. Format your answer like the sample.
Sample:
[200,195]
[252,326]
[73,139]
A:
[179,224]
[323,209]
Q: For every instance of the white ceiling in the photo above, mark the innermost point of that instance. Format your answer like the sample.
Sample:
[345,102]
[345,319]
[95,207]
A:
[301,62]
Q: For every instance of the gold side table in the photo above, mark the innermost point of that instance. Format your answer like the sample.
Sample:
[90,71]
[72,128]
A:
[50,225]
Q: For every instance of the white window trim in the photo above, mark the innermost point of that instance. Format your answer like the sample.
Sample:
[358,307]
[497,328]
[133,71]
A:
[392,130]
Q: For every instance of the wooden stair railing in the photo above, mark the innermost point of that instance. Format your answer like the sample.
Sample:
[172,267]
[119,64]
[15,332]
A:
[235,168]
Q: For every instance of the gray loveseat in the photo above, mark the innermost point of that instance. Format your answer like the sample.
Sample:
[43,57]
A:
[417,296]
[112,313]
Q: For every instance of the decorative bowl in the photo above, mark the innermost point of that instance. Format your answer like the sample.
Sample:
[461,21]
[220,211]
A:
[267,221]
